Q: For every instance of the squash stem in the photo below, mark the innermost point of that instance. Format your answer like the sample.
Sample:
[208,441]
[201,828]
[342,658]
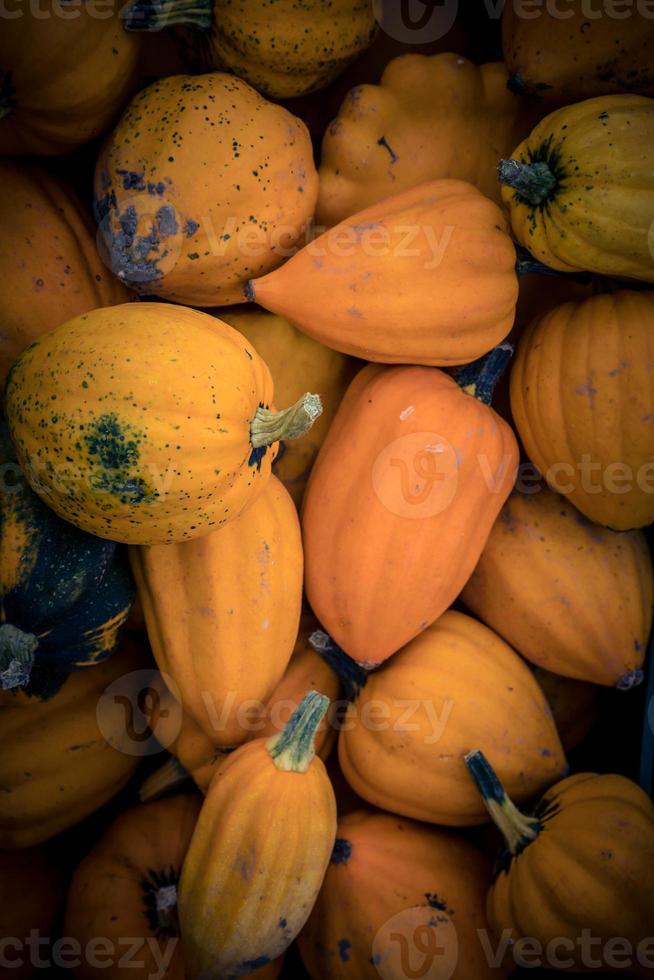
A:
[268,427]
[153,15]
[533,182]
[480,378]
[351,675]
[171,775]
[293,749]
[16,656]
[518,830]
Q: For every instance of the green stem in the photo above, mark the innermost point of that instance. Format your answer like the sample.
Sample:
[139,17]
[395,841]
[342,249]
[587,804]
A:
[171,775]
[534,182]
[16,656]
[480,378]
[153,15]
[293,749]
[268,427]
[351,675]
[518,830]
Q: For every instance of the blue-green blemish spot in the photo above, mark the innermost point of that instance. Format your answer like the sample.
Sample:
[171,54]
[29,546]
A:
[113,454]
[342,851]
[344,947]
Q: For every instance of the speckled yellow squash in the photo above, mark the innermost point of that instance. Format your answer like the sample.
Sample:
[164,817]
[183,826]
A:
[147,423]
[202,185]
[580,190]
[259,852]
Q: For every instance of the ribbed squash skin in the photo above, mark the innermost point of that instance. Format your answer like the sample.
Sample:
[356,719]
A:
[203,185]
[582,388]
[113,892]
[382,866]
[481,694]
[65,77]
[283,49]
[590,868]
[297,364]
[22,908]
[56,766]
[572,597]
[48,259]
[564,59]
[598,216]
[255,864]
[424,277]
[166,396]
[430,117]
[223,611]
[385,529]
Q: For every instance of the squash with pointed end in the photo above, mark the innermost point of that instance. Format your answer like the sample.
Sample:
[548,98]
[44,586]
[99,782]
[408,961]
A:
[582,397]
[457,684]
[386,871]
[425,277]
[590,841]
[400,502]
[580,191]
[252,875]
[147,423]
[217,188]
[32,890]
[571,596]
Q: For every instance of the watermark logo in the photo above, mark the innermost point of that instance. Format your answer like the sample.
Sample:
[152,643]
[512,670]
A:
[416,21]
[132,717]
[416,476]
[417,944]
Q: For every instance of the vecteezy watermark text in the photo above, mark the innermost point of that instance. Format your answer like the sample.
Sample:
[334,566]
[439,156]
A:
[100,953]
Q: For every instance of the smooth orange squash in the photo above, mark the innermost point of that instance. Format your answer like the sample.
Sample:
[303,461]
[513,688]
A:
[216,189]
[456,685]
[259,852]
[399,505]
[575,705]
[49,264]
[127,886]
[397,893]
[424,277]
[582,396]
[571,596]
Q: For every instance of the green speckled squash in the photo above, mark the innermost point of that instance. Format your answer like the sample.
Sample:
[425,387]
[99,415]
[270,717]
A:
[147,423]
[203,185]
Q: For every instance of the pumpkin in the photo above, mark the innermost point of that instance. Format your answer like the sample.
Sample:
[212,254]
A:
[259,852]
[579,188]
[48,259]
[575,705]
[295,361]
[398,506]
[27,908]
[223,611]
[398,892]
[64,595]
[425,277]
[404,737]
[64,758]
[576,55]
[218,188]
[147,423]
[580,865]
[431,116]
[582,397]
[572,597]
[127,886]
[63,77]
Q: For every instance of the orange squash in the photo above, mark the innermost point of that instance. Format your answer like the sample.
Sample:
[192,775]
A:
[218,188]
[48,259]
[430,117]
[398,506]
[456,685]
[259,852]
[32,889]
[64,75]
[296,363]
[398,892]
[424,277]
[127,886]
[582,396]
[572,597]
[575,705]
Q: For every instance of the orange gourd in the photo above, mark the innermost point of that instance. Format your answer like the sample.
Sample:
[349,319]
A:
[400,502]
[424,277]
[32,889]
[398,892]
[458,684]
[582,396]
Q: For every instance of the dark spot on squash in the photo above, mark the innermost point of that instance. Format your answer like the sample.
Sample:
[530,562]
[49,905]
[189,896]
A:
[342,851]
[344,947]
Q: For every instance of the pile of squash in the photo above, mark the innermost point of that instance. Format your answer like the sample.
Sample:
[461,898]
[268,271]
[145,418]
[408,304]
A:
[325,480]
